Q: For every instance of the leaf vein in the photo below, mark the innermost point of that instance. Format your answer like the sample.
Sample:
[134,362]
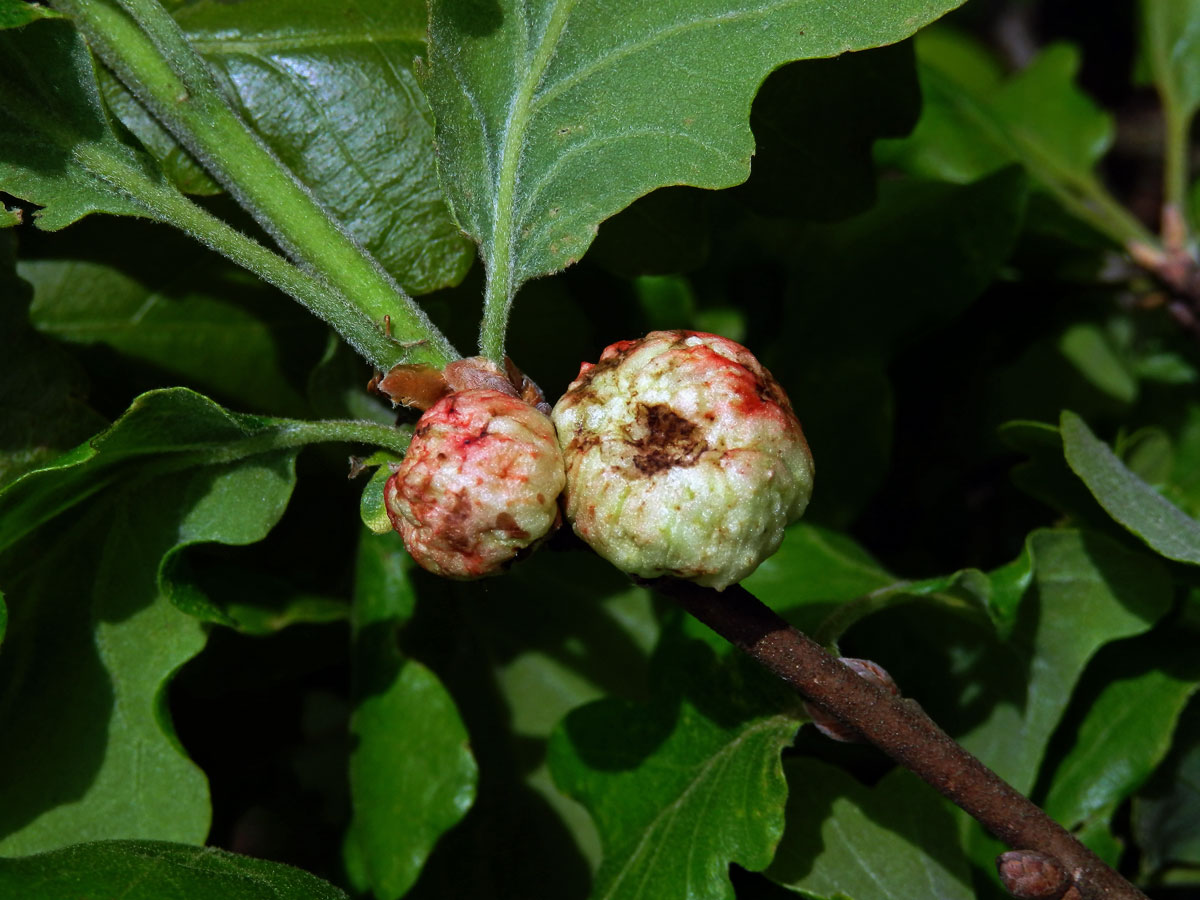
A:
[668,812]
[548,175]
[618,53]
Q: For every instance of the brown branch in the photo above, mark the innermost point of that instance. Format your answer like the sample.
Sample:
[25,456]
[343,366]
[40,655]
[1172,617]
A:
[898,727]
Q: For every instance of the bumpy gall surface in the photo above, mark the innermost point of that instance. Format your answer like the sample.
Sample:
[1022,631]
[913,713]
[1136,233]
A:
[683,458]
[480,483]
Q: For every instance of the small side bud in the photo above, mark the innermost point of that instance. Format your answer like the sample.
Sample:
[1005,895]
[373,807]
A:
[835,728]
[1030,875]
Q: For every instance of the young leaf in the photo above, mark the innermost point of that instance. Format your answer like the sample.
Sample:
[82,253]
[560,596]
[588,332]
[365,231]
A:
[1170,46]
[895,839]
[680,790]
[330,88]
[412,775]
[372,509]
[53,127]
[1090,350]
[1128,499]
[974,122]
[154,870]
[1038,117]
[552,117]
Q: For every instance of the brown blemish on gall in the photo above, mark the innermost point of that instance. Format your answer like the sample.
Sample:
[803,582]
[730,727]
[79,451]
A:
[456,533]
[667,440]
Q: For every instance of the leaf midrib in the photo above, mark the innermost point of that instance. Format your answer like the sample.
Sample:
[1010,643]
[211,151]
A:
[520,113]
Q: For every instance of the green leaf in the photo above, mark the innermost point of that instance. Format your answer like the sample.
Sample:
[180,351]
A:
[412,774]
[371,507]
[816,566]
[1128,499]
[1038,116]
[843,839]
[153,870]
[1183,486]
[1047,476]
[1003,691]
[167,427]
[550,119]
[15,13]
[97,593]
[92,595]
[110,766]
[1090,350]
[1127,729]
[41,410]
[52,125]
[518,653]
[191,315]
[969,124]
[1086,591]
[1166,813]
[1170,50]
[823,583]
[683,788]
[330,88]
[162,432]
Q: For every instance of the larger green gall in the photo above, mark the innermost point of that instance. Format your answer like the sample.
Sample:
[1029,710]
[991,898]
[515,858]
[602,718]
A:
[683,456]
